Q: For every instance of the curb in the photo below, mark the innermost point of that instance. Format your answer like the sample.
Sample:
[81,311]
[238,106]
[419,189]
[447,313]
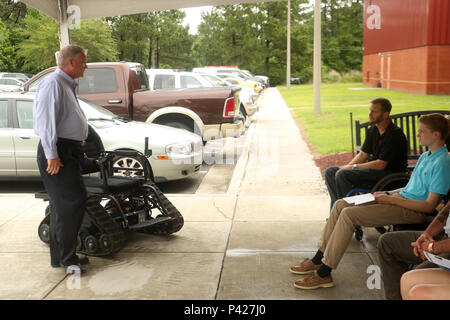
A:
[239,170]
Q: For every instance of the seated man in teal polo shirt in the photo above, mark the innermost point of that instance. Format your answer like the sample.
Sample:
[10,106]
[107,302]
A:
[428,183]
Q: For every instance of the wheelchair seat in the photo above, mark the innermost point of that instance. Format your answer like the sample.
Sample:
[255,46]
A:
[115,185]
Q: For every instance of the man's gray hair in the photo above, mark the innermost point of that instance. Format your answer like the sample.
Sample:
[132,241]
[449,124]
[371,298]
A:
[70,51]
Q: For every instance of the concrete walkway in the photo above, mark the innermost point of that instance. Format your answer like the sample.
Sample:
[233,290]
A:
[238,241]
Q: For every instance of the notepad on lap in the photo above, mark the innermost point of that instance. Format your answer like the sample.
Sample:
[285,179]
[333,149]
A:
[441,262]
[360,199]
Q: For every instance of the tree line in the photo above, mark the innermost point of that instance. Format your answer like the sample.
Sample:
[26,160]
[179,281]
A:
[251,36]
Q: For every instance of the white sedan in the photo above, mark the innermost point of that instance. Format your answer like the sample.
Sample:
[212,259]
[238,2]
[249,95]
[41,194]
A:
[10,84]
[176,153]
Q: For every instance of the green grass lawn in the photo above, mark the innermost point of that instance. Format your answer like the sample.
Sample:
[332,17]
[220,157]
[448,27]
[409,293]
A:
[329,131]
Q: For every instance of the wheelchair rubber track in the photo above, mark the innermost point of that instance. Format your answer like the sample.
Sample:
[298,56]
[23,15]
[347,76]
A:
[170,226]
[101,219]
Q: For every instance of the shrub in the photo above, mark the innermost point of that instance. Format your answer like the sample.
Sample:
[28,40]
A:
[333,76]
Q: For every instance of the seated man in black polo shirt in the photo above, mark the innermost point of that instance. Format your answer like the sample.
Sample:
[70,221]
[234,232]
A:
[384,152]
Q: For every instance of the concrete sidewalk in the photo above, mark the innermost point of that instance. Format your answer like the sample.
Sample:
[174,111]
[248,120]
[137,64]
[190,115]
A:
[235,244]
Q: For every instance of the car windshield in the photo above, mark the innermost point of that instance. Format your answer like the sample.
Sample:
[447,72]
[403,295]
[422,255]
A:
[98,116]
[142,76]
[238,73]
[237,78]
[216,82]
[94,111]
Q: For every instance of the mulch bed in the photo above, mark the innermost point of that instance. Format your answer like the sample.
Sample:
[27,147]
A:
[336,159]
[323,161]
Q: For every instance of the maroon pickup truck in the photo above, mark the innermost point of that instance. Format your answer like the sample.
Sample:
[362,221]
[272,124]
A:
[122,88]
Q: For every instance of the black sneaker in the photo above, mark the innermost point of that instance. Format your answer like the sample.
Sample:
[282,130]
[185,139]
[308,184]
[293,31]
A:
[381,230]
[83,260]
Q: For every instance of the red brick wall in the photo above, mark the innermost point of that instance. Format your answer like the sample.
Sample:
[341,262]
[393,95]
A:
[439,70]
[423,70]
[405,24]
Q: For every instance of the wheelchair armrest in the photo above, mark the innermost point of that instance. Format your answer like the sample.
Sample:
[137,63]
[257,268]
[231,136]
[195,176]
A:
[42,195]
[90,166]
[354,191]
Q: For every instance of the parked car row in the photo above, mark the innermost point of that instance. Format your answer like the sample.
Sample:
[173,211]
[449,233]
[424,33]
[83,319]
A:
[235,71]
[176,154]
[178,112]
[169,79]
[123,88]
[251,85]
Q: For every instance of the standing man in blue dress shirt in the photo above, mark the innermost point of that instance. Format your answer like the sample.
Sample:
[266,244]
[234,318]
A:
[62,127]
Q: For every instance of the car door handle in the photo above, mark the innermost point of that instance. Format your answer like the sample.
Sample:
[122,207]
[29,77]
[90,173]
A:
[25,137]
[115,101]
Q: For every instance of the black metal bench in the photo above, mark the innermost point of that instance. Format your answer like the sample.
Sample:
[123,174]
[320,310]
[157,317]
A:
[407,122]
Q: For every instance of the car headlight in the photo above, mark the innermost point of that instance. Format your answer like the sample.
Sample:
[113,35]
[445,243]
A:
[179,148]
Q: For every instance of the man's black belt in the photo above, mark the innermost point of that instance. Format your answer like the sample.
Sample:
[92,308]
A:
[75,142]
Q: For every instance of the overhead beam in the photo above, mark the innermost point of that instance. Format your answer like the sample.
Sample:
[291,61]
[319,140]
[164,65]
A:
[64,34]
[91,9]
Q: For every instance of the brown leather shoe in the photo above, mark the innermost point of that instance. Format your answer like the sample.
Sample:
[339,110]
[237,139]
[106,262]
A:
[305,267]
[314,281]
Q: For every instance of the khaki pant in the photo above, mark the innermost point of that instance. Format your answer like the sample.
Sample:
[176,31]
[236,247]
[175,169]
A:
[345,217]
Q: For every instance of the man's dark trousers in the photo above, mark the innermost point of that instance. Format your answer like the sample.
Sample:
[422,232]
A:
[67,201]
[396,256]
[339,185]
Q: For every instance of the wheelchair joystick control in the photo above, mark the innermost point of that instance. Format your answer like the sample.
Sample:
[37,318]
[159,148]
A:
[147,152]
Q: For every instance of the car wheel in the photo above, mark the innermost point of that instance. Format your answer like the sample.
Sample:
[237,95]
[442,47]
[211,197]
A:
[128,167]
[44,230]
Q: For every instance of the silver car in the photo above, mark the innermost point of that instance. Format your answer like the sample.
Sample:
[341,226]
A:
[176,153]
[21,76]
[10,84]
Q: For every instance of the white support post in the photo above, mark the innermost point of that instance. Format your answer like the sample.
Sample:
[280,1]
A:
[317,56]
[64,36]
[288,47]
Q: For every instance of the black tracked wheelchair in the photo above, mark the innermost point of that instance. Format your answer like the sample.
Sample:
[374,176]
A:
[117,204]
